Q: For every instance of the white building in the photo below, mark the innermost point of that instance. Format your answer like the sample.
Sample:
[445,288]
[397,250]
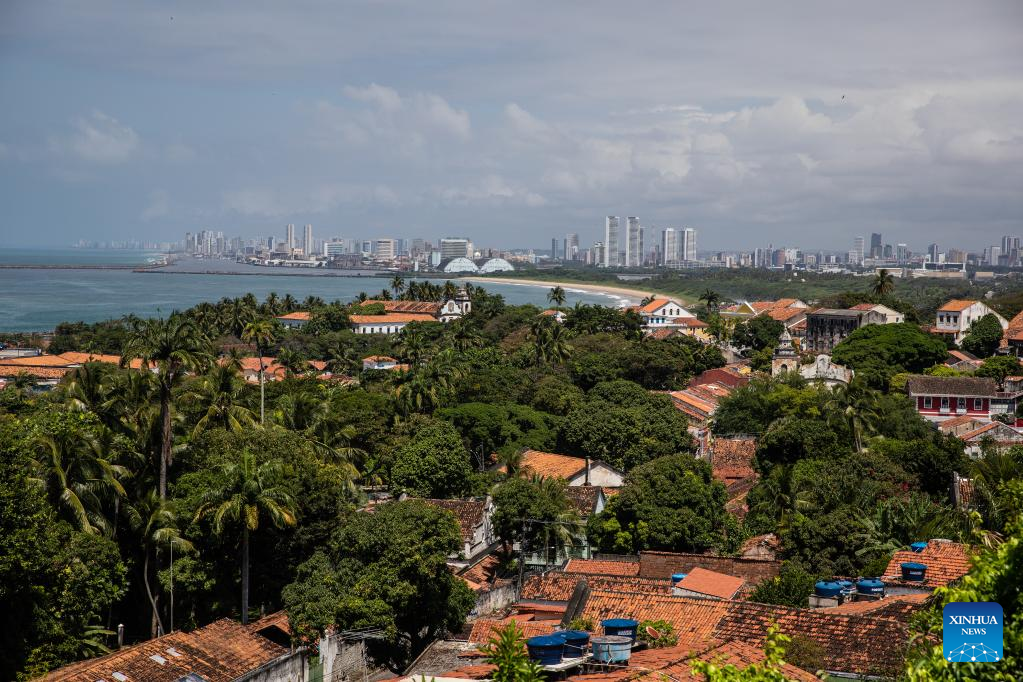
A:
[687,244]
[610,259]
[290,239]
[664,313]
[955,318]
[386,249]
[307,240]
[453,247]
[634,243]
[669,246]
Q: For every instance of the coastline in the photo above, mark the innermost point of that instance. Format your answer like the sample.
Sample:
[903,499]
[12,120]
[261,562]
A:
[626,296]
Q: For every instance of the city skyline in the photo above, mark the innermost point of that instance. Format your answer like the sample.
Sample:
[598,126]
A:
[456,122]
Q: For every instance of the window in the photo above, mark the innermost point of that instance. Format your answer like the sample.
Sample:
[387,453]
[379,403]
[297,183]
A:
[944,403]
[928,403]
[961,403]
[978,404]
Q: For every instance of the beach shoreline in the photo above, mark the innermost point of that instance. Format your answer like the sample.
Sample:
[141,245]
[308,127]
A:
[626,295]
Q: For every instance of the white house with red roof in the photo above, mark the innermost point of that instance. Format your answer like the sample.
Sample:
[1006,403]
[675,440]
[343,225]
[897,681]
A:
[664,312]
[295,320]
[955,318]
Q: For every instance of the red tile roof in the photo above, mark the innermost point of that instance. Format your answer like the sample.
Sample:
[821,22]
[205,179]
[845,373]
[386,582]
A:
[391,318]
[690,617]
[956,306]
[556,586]
[483,574]
[711,583]
[584,498]
[300,315]
[468,513]
[600,567]
[899,607]
[221,651]
[484,628]
[424,307]
[654,305]
[946,562]
[732,458]
[552,465]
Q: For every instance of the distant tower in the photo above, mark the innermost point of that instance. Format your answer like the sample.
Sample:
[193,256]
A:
[858,250]
[687,245]
[610,243]
[669,246]
[932,251]
[290,238]
[634,243]
[876,250]
[554,248]
[307,240]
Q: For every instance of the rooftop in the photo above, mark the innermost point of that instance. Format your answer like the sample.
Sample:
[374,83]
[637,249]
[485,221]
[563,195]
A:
[711,583]
[300,315]
[946,562]
[468,513]
[391,318]
[732,458]
[556,586]
[952,386]
[956,306]
[602,567]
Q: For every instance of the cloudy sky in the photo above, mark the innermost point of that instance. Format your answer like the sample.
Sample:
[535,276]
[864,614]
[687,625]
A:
[797,123]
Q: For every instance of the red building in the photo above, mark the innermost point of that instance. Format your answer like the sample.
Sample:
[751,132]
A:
[941,398]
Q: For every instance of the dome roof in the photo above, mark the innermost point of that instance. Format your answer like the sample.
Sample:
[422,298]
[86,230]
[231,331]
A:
[495,265]
[460,264]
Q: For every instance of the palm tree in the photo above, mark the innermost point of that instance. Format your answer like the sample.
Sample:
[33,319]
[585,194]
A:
[856,404]
[465,336]
[172,347]
[289,304]
[550,341]
[450,290]
[883,283]
[219,395]
[272,304]
[239,314]
[312,302]
[711,298]
[77,478]
[248,494]
[155,522]
[556,296]
[292,361]
[411,344]
[341,358]
[384,295]
[260,333]
[86,387]
[398,285]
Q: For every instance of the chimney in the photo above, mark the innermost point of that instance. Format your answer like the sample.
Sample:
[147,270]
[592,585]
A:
[587,481]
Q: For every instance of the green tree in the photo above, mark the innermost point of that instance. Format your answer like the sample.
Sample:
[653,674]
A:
[506,649]
[883,283]
[550,341]
[983,337]
[218,396]
[758,333]
[879,351]
[171,346]
[791,587]
[397,285]
[260,333]
[556,296]
[432,462]
[711,299]
[795,438]
[538,506]
[672,503]
[385,570]
[248,494]
[999,367]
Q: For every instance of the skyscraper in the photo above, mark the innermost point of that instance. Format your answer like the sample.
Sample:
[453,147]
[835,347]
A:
[875,245]
[901,253]
[687,244]
[307,240]
[453,247]
[571,246]
[554,248]
[610,243]
[932,252]
[856,255]
[634,243]
[669,246]
[385,249]
[290,239]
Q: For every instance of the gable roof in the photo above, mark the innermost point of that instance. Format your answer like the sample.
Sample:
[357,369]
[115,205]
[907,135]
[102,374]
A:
[484,628]
[983,387]
[690,617]
[946,562]
[900,607]
[468,513]
[732,458]
[300,315]
[391,318]
[556,586]
[711,583]
[428,307]
[653,305]
[221,651]
[956,306]
[552,465]
[584,498]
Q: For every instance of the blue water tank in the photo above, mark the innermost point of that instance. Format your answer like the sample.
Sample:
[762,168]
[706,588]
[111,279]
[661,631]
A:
[576,642]
[918,546]
[611,649]
[870,586]
[914,571]
[624,627]
[846,585]
[827,588]
[546,649]
[677,577]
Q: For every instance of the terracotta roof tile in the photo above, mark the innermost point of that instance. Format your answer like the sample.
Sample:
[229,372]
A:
[732,458]
[422,307]
[484,628]
[556,586]
[484,571]
[391,318]
[899,607]
[300,315]
[711,583]
[221,651]
[37,372]
[468,513]
[689,617]
[553,465]
[654,305]
[736,653]
[602,567]
[956,306]
[583,498]
[946,562]
[951,386]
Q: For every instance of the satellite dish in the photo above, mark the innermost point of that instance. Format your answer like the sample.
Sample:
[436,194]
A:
[652,633]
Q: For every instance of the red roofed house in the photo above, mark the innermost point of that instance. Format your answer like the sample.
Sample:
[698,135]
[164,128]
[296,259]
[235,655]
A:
[955,317]
[940,398]
[1012,336]
[731,459]
[295,320]
[664,312]
[378,362]
[576,471]
[1002,436]
[703,584]
[390,323]
[474,522]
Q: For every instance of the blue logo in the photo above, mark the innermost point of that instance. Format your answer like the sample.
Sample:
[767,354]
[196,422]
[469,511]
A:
[972,632]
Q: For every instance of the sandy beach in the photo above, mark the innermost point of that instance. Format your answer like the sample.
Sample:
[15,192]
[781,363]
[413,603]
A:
[624,296]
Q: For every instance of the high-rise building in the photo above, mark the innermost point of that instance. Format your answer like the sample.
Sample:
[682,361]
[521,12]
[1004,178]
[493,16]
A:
[571,250]
[455,247]
[307,240]
[901,254]
[669,246]
[876,249]
[599,253]
[932,252]
[271,241]
[634,243]
[856,255]
[610,243]
[994,254]
[386,249]
[290,239]
[554,248]
[687,244]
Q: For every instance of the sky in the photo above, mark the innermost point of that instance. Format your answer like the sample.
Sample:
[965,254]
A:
[799,124]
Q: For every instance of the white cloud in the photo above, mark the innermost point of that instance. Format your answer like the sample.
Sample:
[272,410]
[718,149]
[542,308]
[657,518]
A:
[100,138]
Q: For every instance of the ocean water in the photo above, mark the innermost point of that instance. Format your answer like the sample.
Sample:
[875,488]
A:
[39,299]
